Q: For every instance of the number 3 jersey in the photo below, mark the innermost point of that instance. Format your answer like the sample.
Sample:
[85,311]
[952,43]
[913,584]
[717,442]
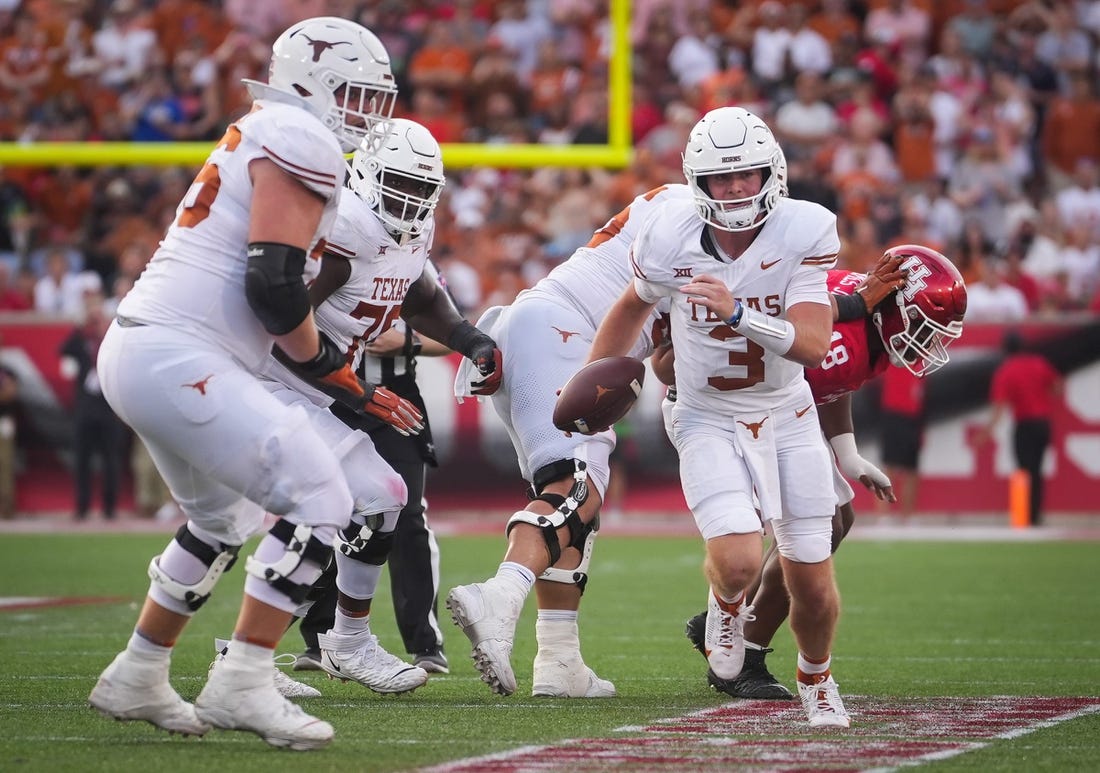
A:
[369,302]
[716,368]
[195,280]
[851,360]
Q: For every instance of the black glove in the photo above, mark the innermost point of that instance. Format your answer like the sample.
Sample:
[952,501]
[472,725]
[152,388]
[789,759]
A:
[330,358]
[482,351]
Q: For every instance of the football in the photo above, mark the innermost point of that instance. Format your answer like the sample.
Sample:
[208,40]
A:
[599,394]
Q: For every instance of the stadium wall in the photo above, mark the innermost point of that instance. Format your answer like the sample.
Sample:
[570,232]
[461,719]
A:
[478,466]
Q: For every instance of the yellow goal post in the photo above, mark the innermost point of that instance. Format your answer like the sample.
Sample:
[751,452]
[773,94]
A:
[616,154]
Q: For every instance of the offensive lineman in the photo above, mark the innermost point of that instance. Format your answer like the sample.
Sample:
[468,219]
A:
[545,335]
[743,267]
[179,366]
[375,268]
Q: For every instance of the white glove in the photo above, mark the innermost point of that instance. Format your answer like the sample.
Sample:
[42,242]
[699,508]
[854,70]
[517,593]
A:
[854,466]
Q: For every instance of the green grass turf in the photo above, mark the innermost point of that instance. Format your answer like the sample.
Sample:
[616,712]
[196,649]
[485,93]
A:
[921,619]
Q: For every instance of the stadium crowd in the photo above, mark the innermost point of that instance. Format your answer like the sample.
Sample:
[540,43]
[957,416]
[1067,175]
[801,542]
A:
[972,126]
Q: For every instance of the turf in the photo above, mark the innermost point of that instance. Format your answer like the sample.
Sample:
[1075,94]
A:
[920,619]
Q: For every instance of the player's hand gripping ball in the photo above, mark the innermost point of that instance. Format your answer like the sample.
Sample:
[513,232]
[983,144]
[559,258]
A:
[598,395]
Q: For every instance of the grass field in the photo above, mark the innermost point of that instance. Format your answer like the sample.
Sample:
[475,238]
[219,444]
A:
[943,620]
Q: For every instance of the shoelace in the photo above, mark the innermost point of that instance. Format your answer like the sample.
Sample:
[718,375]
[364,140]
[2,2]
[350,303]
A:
[729,625]
[284,660]
[827,698]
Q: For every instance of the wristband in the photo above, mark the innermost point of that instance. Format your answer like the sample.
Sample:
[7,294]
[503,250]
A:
[850,307]
[738,311]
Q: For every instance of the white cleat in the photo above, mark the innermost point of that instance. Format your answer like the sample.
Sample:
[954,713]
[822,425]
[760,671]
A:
[566,676]
[287,687]
[135,689]
[725,638]
[359,657]
[243,697]
[823,704]
[488,615]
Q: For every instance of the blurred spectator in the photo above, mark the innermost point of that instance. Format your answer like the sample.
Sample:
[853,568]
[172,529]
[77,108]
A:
[803,124]
[27,58]
[61,292]
[835,21]
[441,63]
[975,26]
[151,495]
[1081,263]
[521,30]
[1079,202]
[904,22]
[901,434]
[463,281]
[125,47]
[12,298]
[58,240]
[1026,384]
[9,409]
[97,432]
[982,183]
[1016,276]
[915,128]
[15,221]
[992,299]
[1062,44]
[1072,130]
[810,51]
[771,44]
[695,57]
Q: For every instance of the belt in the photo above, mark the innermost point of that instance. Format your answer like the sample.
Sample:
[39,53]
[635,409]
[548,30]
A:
[127,322]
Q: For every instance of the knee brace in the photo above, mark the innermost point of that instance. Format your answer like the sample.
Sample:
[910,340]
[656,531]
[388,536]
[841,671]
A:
[565,507]
[302,547]
[218,561]
[364,543]
[579,575]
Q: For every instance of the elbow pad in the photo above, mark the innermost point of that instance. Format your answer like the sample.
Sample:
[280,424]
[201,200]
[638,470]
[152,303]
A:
[274,288]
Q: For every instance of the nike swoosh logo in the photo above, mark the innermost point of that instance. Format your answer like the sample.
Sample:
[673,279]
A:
[802,413]
[765,266]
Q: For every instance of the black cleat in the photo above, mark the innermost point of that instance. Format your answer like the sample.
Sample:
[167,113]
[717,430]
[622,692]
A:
[754,682]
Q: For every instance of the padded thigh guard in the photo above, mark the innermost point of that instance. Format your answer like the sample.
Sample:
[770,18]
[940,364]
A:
[306,554]
[217,560]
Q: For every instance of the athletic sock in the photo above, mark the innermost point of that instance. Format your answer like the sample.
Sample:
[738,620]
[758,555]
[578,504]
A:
[813,671]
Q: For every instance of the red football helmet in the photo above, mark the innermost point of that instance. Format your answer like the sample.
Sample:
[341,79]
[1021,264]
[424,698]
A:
[919,321]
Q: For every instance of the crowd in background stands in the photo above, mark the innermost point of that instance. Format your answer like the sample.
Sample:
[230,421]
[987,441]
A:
[972,126]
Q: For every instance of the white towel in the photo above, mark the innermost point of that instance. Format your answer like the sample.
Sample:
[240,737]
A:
[467,371]
[755,434]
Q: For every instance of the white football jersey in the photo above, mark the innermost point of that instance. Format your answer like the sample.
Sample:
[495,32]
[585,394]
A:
[369,303]
[716,368]
[195,280]
[595,275]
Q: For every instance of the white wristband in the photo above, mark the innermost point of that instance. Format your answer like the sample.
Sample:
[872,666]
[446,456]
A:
[773,333]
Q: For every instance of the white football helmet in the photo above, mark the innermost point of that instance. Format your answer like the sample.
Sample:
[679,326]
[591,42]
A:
[731,139]
[341,71]
[401,180]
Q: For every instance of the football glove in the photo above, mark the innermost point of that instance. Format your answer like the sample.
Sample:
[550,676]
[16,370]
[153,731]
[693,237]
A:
[490,365]
[396,411]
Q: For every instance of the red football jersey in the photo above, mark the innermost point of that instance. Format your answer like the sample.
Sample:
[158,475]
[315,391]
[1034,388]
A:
[848,364]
